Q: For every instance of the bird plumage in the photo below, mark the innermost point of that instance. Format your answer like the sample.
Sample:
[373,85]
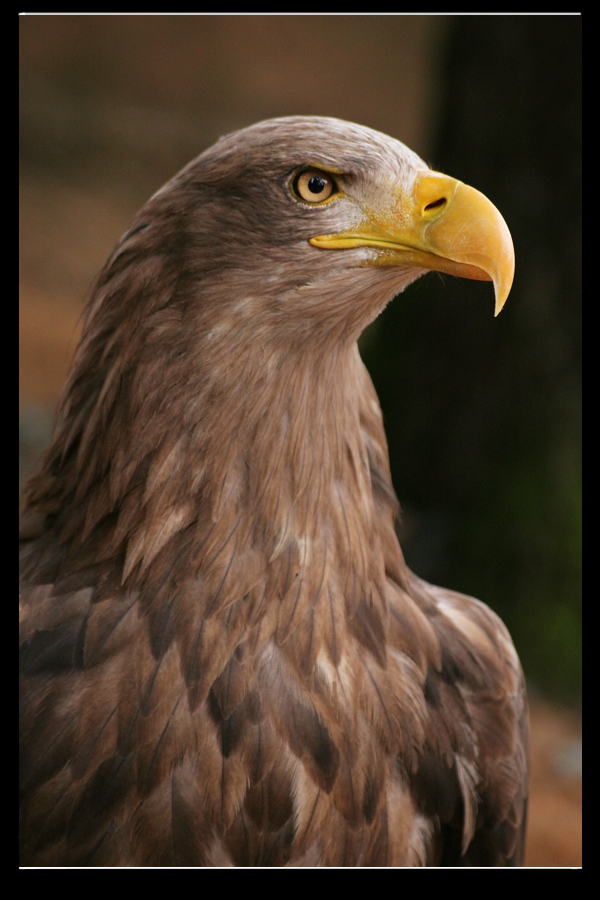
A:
[225,659]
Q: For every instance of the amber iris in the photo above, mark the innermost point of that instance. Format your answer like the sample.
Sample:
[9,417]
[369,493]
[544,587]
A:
[314,185]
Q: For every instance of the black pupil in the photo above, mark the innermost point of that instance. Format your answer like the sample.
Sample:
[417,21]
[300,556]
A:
[316,185]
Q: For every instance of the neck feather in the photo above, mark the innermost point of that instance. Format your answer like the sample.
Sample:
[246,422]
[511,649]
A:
[257,480]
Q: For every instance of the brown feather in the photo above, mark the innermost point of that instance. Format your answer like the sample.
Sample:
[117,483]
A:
[225,659]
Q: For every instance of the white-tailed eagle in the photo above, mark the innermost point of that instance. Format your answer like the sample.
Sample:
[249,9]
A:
[225,659]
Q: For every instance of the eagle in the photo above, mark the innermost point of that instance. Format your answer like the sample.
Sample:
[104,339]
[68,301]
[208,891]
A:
[225,659]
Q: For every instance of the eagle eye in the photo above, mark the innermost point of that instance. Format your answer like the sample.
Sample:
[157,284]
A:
[314,185]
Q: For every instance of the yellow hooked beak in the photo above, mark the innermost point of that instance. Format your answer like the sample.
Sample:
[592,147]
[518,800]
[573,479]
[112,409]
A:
[443,225]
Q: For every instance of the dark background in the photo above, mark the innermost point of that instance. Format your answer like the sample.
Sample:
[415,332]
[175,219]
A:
[482,414]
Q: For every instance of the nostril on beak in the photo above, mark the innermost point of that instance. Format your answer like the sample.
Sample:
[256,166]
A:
[436,204]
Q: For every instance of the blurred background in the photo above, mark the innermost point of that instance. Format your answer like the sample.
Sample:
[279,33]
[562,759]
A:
[482,414]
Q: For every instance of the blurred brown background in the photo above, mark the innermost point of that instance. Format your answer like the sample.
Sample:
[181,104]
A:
[482,415]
